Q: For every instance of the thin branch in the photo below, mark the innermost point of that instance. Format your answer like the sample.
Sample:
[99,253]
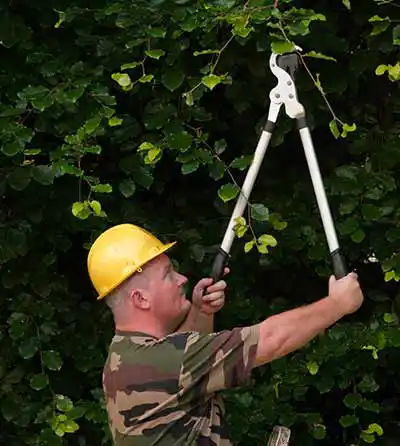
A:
[220,52]
[320,89]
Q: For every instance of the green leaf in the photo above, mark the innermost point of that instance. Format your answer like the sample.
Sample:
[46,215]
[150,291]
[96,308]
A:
[12,148]
[127,188]
[220,146]
[242,162]
[191,167]
[317,55]
[122,79]
[155,54]
[347,129]
[352,400]
[396,35]
[189,99]
[282,46]
[157,32]
[318,431]
[19,323]
[70,426]
[43,102]
[81,210]
[312,367]
[52,360]
[29,348]
[277,223]
[373,349]
[249,246]
[217,169]
[241,230]
[114,121]
[153,155]
[349,226]
[31,92]
[211,81]
[368,384]
[334,128]
[347,4]
[374,428]
[146,146]
[102,188]
[262,248]
[43,174]
[12,112]
[391,318]
[32,152]
[380,24]
[370,406]
[205,52]
[63,403]
[129,66]
[381,69]
[259,212]
[348,420]
[368,438]
[90,126]
[96,206]
[228,192]
[19,178]
[173,78]
[180,141]
[39,382]
[146,78]
[358,236]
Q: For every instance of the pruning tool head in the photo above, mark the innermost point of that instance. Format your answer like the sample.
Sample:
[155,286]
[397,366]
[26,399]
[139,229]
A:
[284,68]
[280,436]
[289,62]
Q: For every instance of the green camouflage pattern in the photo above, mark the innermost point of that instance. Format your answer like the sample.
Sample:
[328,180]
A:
[165,391]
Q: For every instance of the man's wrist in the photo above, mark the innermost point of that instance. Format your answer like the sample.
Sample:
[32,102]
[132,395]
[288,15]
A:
[200,312]
[335,307]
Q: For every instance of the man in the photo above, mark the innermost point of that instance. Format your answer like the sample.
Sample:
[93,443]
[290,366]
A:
[165,365]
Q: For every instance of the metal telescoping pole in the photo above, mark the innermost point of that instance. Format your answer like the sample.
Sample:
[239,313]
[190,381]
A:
[339,265]
[263,143]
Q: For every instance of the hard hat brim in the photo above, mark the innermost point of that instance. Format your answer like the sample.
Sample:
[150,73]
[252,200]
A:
[165,248]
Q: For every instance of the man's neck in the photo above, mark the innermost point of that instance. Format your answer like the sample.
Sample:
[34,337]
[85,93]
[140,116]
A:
[146,328]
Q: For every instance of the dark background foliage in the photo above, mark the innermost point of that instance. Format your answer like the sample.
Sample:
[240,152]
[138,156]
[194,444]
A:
[149,112]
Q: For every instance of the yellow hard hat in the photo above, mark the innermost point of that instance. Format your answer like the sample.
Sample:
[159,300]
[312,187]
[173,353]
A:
[118,253]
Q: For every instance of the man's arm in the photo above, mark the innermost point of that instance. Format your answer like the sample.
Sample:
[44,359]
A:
[207,299]
[286,332]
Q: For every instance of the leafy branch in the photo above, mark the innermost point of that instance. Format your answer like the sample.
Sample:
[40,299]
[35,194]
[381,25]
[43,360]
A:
[346,128]
[210,80]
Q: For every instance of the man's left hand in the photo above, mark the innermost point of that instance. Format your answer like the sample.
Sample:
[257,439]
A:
[209,297]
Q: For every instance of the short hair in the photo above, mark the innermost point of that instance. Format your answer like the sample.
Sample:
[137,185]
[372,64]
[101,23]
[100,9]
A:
[117,296]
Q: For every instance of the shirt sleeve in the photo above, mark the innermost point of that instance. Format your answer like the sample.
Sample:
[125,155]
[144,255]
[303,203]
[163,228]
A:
[218,361]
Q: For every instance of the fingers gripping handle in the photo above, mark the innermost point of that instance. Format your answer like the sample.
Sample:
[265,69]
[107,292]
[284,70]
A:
[220,262]
[339,264]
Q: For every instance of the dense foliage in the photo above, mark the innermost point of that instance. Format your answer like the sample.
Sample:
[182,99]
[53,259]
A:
[149,112]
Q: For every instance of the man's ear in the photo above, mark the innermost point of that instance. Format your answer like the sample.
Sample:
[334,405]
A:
[140,299]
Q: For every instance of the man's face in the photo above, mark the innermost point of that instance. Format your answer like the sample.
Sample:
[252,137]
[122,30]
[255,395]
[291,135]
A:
[169,302]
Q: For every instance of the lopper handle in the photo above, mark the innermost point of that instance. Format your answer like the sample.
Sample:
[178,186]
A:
[220,261]
[339,264]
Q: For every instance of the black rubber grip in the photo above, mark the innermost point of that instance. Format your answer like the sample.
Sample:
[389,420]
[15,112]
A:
[220,261]
[339,264]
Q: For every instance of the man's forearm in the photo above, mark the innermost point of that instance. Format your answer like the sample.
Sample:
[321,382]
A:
[286,332]
[197,321]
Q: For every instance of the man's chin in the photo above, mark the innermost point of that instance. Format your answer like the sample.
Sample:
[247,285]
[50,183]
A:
[184,313]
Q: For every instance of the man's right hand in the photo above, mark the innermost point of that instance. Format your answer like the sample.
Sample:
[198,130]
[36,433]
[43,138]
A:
[346,292]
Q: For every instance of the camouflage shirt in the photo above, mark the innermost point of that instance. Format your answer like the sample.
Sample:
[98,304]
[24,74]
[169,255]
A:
[164,392]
